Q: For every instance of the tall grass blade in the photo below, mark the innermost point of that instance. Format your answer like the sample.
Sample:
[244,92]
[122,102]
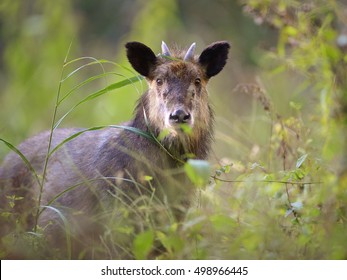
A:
[99,93]
[67,230]
[24,159]
[95,61]
[131,129]
[85,82]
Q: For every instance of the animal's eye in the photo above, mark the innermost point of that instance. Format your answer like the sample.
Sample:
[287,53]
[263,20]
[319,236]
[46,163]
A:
[197,82]
[159,82]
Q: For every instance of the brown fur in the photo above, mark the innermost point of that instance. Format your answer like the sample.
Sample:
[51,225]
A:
[98,167]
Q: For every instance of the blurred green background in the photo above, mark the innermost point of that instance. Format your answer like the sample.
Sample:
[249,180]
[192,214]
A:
[280,103]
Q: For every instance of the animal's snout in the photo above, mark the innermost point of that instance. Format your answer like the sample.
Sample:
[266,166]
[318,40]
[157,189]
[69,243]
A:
[180,116]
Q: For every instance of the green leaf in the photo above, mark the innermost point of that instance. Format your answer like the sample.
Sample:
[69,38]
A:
[222,222]
[186,129]
[290,30]
[299,174]
[171,242]
[148,178]
[198,171]
[143,244]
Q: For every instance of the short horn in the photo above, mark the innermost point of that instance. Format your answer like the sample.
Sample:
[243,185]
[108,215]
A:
[164,49]
[190,53]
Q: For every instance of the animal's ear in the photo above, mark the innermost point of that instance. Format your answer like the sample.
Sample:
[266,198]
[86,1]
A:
[214,57]
[141,57]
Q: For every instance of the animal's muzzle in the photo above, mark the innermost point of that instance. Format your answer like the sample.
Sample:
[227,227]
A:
[179,117]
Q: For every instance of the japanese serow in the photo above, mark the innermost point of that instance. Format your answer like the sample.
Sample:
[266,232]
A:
[100,167]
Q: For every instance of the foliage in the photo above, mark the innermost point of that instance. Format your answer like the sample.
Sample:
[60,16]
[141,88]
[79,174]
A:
[278,178]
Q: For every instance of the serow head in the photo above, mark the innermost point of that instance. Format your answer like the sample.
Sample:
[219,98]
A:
[177,98]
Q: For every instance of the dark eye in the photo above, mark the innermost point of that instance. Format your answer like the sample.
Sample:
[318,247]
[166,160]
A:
[159,82]
[197,82]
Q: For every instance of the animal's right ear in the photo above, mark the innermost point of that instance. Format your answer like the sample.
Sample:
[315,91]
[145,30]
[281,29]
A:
[141,57]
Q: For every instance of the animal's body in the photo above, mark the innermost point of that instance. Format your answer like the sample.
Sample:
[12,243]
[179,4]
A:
[89,172]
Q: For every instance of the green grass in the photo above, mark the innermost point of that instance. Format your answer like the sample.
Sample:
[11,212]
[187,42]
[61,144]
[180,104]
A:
[277,183]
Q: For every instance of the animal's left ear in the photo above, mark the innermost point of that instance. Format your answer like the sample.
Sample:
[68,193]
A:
[141,57]
[214,58]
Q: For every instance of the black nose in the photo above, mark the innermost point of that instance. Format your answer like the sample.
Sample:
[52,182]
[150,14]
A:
[180,117]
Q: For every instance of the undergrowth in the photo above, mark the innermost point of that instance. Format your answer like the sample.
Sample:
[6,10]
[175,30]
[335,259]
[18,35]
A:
[287,200]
